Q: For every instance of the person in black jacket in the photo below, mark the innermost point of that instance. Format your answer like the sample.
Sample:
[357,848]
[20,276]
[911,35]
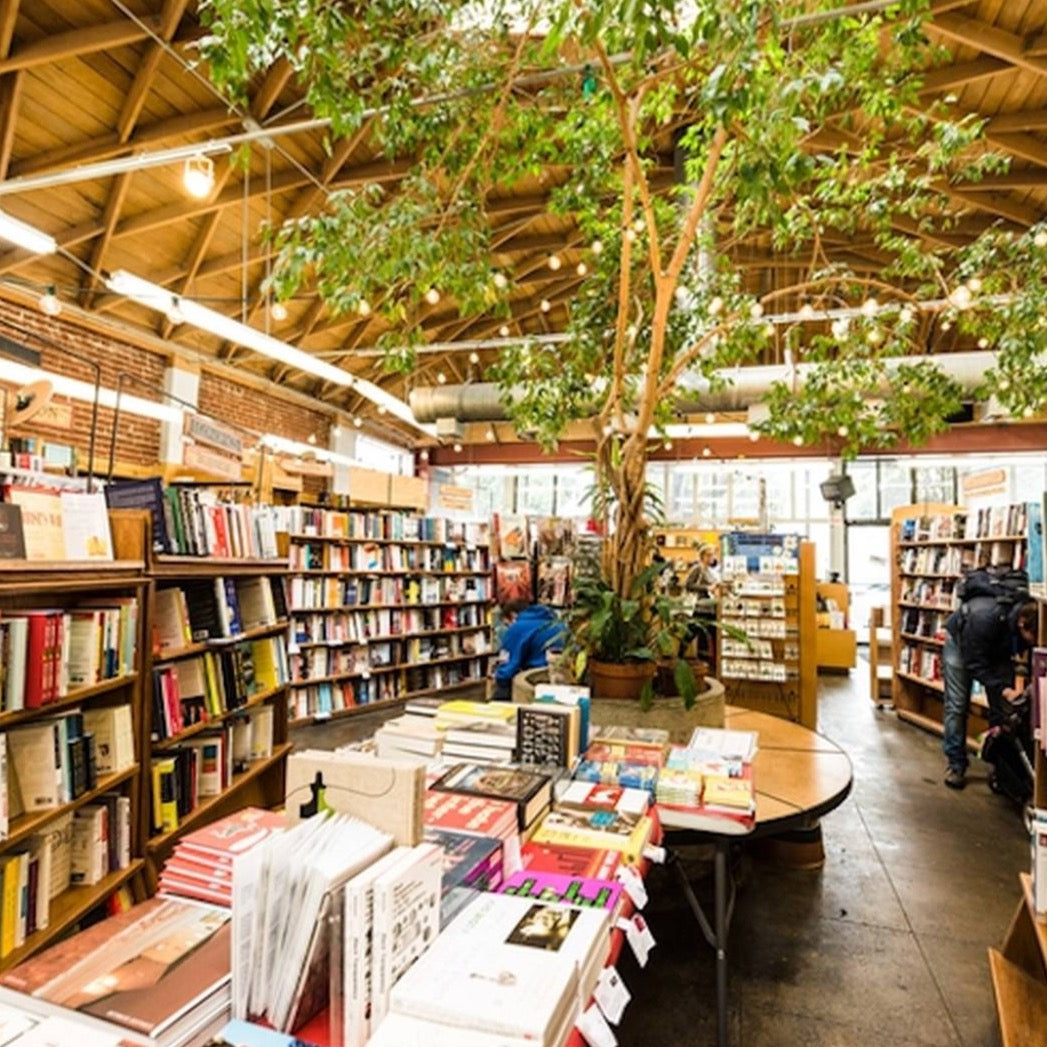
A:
[981,639]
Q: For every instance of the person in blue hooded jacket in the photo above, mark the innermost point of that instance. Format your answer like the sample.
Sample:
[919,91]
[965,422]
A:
[534,632]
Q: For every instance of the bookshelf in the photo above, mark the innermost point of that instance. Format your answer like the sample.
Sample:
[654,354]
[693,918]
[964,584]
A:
[768,591]
[384,605]
[77,607]
[932,545]
[216,686]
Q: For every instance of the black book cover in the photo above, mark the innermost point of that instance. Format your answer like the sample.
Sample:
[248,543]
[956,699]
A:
[542,737]
[12,537]
[227,667]
[159,730]
[200,599]
[87,742]
[279,597]
[142,494]
[77,768]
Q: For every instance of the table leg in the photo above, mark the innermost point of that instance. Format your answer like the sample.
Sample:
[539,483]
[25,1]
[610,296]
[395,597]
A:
[721,919]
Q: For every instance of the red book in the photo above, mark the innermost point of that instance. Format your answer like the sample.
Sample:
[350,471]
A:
[478,815]
[212,891]
[221,533]
[36,658]
[570,861]
[185,866]
[172,702]
[222,841]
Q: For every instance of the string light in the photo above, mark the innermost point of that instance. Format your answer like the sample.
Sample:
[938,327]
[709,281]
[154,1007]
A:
[504,330]
[545,305]
[597,246]
[581,268]
[49,303]
[491,434]
[363,307]
[806,311]
[457,448]
[756,310]
[311,438]
[707,452]
[358,421]
[474,358]
[630,235]
[754,436]
[710,418]
[278,311]
[553,261]
[870,307]
[441,378]
[198,176]
[499,280]
[432,296]
[668,445]
[798,440]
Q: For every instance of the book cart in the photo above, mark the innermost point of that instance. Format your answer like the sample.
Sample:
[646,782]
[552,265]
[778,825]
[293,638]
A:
[768,592]
[63,588]
[932,545]
[258,781]
[384,606]
[1019,967]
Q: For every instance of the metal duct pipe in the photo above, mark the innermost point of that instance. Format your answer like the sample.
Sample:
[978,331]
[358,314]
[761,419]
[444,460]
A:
[481,401]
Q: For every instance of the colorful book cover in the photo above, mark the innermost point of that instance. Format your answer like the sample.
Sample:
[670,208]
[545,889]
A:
[614,772]
[568,890]
[513,580]
[528,790]
[239,1033]
[561,829]
[514,538]
[468,861]
[224,840]
[588,863]
[1034,544]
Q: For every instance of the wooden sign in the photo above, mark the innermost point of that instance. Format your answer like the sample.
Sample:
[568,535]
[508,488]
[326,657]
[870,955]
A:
[53,416]
[988,482]
[455,499]
[210,433]
[306,467]
[204,459]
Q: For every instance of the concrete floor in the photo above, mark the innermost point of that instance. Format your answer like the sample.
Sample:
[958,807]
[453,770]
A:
[885,945]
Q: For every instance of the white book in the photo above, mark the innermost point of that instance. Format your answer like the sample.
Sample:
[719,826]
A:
[114,737]
[36,779]
[357,950]
[5,818]
[41,846]
[83,633]
[14,682]
[400,1030]
[62,669]
[406,920]
[23,898]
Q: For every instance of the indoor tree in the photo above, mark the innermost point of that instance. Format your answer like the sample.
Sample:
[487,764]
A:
[679,139]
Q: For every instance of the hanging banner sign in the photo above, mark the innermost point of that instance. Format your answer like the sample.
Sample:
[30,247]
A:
[213,434]
[211,462]
[454,498]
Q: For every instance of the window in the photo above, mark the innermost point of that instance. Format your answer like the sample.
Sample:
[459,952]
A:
[935,483]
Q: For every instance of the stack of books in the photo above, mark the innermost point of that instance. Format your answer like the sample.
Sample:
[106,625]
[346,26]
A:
[409,737]
[201,866]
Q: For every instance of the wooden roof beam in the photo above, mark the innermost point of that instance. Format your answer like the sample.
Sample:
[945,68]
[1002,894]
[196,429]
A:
[1028,120]
[1025,179]
[76,42]
[109,145]
[952,77]
[990,40]
[10,86]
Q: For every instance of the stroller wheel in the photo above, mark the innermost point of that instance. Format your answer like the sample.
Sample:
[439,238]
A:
[994,784]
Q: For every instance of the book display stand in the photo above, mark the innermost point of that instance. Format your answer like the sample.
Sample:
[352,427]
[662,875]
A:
[53,699]
[932,544]
[384,606]
[769,593]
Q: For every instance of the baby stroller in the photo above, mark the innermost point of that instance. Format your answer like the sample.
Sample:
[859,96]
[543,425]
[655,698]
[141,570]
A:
[1008,748]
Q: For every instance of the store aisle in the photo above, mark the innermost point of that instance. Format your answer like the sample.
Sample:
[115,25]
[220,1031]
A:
[883,946]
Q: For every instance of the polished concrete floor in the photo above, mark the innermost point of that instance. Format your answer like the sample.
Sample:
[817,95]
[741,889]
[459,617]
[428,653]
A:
[884,946]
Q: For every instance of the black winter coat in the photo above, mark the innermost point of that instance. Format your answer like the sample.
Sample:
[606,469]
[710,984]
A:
[984,629]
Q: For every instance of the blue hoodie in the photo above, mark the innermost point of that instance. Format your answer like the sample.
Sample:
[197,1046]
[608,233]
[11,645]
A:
[527,641]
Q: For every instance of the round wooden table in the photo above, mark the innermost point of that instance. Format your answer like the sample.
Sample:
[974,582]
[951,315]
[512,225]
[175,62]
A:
[798,776]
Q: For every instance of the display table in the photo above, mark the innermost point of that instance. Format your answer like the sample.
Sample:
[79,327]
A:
[798,776]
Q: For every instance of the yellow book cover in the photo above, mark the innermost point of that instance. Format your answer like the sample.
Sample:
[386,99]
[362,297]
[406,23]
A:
[10,905]
[460,709]
[728,792]
[168,794]
[214,695]
[158,816]
[266,676]
[566,828]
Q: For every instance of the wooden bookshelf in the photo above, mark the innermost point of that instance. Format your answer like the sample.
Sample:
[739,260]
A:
[63,587]
[926,567]
[415,592]
[1019,974]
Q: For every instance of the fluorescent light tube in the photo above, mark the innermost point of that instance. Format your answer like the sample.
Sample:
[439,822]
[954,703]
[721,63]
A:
[20,374]
[24,235]
[159,298]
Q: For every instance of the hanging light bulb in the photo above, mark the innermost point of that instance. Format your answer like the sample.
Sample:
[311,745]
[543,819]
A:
[363,307]
[630,235]
[311,438]
[423,455]
[358,421]
[174,312]
[441,378]
[709,418]
[870,307]
[756,310]
[798,440]
[668,445]
[961,297]
[457,448]
[278,311]
[596,246]
[754,436]
[49,303]
[491,434]
[499,280]
[198,176]
[545,305]
[806,311]
[382,408]
[554,262]
[983,343]
[842,430]
[706,452]
[503,331]
[581,268]
[639,225]
[474,358]
[432,296]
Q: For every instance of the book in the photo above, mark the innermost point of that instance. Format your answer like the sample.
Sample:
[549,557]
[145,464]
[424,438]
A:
[143,494]
[85,526]
[530,791]
[150,970]
[547,733]
[113,732]
[565,828]
[387,793]
[12,536]
[15,651]
[508,966]
[90,856]
[35,773]
[41,509]
[513,580]
[237,1033]
[406,919]
[567,890]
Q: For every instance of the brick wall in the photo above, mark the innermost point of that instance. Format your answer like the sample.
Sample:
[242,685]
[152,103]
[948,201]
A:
[138,439]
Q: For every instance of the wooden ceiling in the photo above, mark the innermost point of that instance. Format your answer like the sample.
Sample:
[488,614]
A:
[83,81]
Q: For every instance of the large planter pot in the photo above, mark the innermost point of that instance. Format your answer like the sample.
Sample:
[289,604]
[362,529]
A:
[665,677]
[668,713]
[619,680]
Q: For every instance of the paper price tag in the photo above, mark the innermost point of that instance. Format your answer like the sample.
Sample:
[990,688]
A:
[630,880]
[594,1028]
[611,994]
[654,854]
[639,937]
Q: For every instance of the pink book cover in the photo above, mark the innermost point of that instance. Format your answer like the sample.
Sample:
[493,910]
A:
[571,890]
[224,840]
